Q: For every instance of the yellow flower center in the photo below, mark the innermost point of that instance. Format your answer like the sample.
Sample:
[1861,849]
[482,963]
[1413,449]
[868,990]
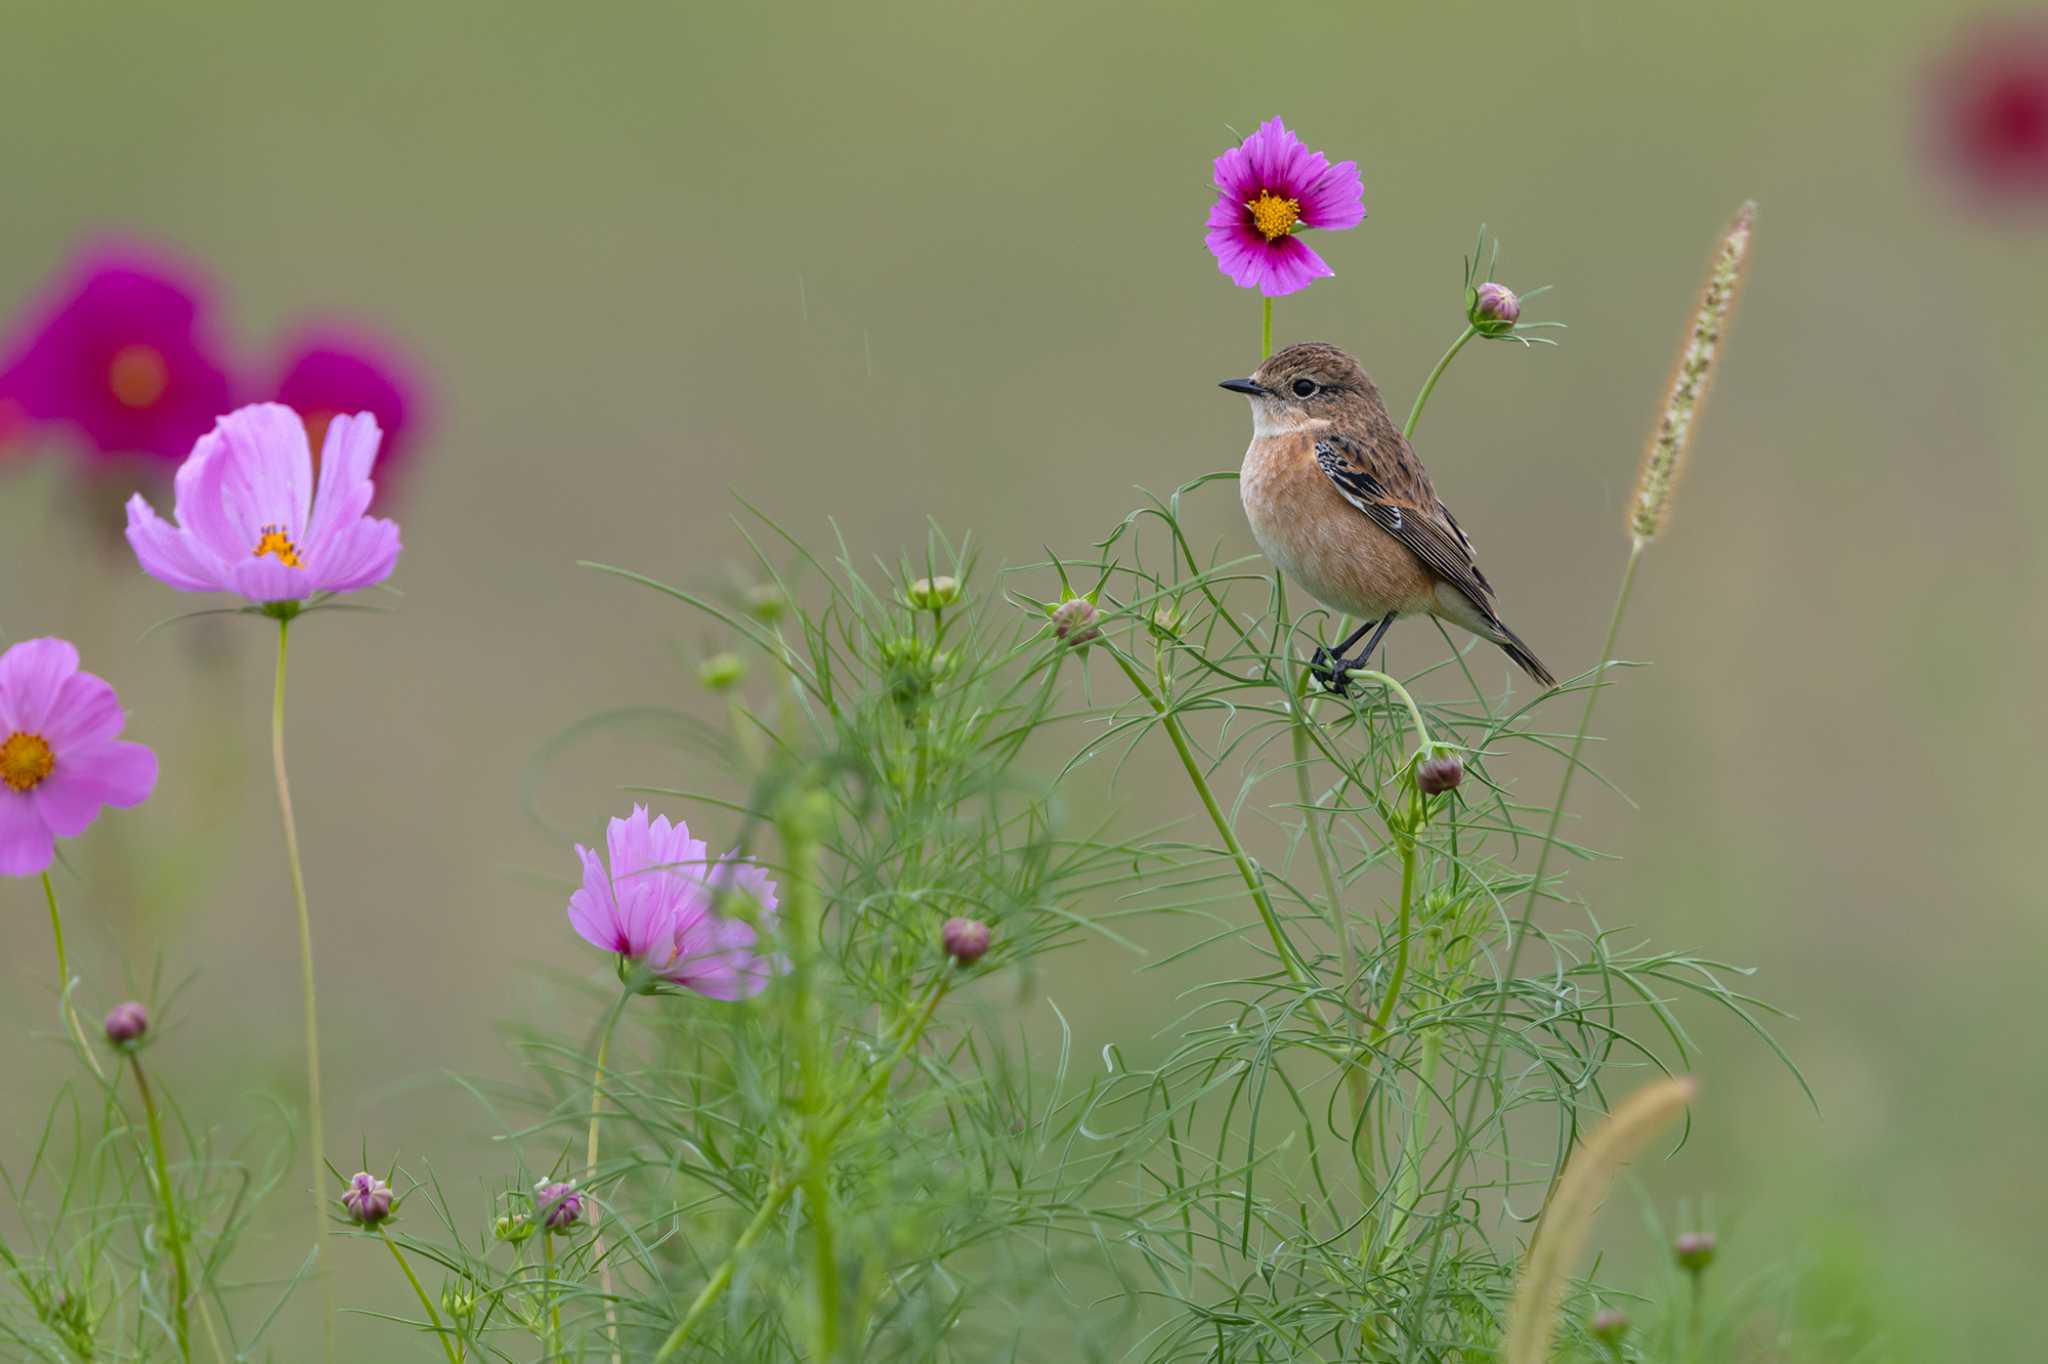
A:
[275,541]
[1273,216]
[25,759]
[138,376]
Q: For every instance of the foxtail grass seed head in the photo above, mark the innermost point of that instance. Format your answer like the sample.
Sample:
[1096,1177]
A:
[1442,773]
[1077,622]
[965,940]
[367,1198]
[1567,1223]
[1664,460]
[558,1204]
[721,672]
[1493,309]
[126,1023]
[1608,1325]
[1694,1250]
[933,594]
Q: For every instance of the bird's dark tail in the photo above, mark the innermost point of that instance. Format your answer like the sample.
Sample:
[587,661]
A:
[1511,645]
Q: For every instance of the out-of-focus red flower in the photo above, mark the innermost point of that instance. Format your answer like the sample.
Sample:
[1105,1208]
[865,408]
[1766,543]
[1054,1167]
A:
[1988,110]
[328,372]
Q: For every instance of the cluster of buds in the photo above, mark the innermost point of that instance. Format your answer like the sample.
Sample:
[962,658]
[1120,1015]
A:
[965,940]
[368,1199]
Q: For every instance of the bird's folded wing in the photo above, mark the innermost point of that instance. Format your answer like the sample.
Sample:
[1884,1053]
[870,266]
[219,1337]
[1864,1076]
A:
[1407,509]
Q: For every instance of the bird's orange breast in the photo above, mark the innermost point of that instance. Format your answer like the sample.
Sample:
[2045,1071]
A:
[1304,525]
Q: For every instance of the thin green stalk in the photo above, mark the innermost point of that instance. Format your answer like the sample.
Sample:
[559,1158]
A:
[1462,1150]
[173,1234]
[315,1118]
[552,1347]
[800,847]
[604,1267]
[65,1007]
[1408,1191]
[786,1184]
[1266,330]
[433,1315]
[1429,384]
[1404,836]
[1245,869]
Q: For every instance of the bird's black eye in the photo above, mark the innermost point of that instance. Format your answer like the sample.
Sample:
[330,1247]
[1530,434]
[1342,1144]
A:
[1304,388]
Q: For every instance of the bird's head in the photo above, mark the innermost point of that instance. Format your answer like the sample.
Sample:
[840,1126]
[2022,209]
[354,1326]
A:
[1305,382]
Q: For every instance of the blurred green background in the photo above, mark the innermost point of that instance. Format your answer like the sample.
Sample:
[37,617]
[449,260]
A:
[873,262]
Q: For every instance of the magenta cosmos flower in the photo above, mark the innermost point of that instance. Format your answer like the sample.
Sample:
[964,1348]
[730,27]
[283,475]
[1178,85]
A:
[327,373]
[123,352]
[659,907]
[251,522]
[1268,188]
[1989,111]
[61,754]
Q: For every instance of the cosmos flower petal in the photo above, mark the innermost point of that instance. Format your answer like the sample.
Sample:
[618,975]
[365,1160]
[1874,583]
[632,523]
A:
[1291,266]
[271,468]
[1336,199]
[170,555]
[362,555]
[592,911]
[346,455]
[26,845]
[32,677]
[268,580]
[202,501]
[117,773]
[719,958]
[86,712]
[1240,254]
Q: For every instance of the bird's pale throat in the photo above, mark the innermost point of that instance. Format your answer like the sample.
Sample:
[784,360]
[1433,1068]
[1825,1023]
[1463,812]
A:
[137,376]
[1273,216]
[25,759]
[275,541]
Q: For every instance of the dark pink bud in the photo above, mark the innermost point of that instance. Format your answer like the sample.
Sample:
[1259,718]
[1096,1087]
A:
[965,940]
[558,1204]
[1076,621]
[126,1022]
[1440,774]
[367,1198]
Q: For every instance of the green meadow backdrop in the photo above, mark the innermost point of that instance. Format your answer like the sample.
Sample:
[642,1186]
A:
[868,263]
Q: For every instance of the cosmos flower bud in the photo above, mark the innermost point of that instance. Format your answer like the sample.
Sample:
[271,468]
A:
[1077,622]
[1439,774]
[559,1205]
[367,1198]
[1608,1325]
[721,672]
[965,940]
[1694,1250]
[513,1227]
[457,1304]
[766,602]
[1493,309]
[933,594]
[126,1023]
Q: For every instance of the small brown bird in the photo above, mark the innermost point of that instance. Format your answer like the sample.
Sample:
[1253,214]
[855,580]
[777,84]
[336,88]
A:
[1337,498]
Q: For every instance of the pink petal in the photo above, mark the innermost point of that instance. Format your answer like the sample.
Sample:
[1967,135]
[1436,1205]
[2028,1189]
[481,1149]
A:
[271,483]
[1233,176]
[202,501]
[1290,266]
[345,488]
[173,557]
[32,675]
[362,554]
[719,960]
[268,579]
[26,846]
[86,712]
[119,774]
[592,911]
[1336,200]
[1240,253]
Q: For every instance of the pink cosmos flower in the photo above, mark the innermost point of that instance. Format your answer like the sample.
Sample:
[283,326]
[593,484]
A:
[61,757]
[123,352]
[1988,115]
[658,906]
[1267,188]
[250,521]
[327,373]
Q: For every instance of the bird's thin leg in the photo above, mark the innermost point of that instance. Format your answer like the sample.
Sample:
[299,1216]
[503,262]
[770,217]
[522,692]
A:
[1329,667]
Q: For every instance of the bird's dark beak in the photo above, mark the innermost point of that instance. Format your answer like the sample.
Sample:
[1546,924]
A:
[1246,387]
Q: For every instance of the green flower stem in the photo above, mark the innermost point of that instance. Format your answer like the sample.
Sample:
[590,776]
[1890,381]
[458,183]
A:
[1429,384]
[786,1183]
[551,1348]
[166,1196]
[1404,832]
[1266,330]
[433,1315]
[604,1268]
[1408,1189]
[1245,869]
[315,1118]
[64,1004]
[800,830]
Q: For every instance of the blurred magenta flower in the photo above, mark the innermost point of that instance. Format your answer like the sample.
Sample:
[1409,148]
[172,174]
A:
[123,351]
[659,907]
[61,757]
[327,373]
[1989,109]
[1267,188]
[250,521]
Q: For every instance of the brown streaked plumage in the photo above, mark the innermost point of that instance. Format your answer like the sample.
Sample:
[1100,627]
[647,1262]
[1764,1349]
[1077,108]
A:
[1337,498]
